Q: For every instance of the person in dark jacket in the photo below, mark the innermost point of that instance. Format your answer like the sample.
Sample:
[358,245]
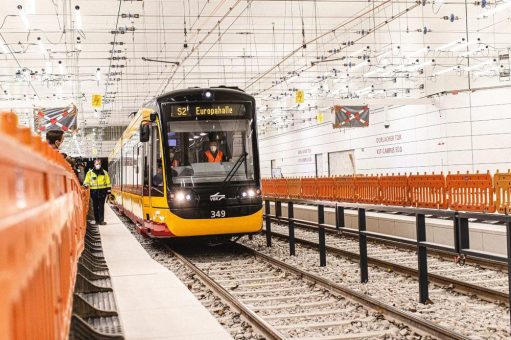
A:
[55,138]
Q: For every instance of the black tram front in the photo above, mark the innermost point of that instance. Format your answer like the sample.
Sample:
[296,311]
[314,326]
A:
[211,157]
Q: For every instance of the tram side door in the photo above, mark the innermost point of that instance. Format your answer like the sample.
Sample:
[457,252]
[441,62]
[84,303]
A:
[146,175]
[157,177]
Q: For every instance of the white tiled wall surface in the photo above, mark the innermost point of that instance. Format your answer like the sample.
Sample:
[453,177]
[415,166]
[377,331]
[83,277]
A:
[464,132]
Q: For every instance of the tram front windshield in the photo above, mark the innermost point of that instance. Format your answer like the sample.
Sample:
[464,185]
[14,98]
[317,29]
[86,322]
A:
[204,152]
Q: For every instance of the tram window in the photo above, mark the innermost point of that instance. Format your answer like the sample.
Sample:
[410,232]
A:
[139,167]
[210,151]
[118,172]
[135,171]
[124,172]
[156,165]
[146,155]
[129,169]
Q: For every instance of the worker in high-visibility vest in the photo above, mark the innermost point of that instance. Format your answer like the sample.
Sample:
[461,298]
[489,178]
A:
[98,181]
[213,154]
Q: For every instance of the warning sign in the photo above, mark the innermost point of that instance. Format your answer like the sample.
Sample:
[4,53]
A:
[97,100]
[351,116]
[299,96]
[57,118]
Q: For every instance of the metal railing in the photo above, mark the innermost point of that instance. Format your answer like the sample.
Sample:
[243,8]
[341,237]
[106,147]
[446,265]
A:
[461,235]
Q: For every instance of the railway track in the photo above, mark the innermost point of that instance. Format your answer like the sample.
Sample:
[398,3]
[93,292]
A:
[283,301]
[473,278]
[462,316]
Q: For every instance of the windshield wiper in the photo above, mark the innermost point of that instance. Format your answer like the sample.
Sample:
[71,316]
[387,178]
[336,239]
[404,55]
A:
[235,167]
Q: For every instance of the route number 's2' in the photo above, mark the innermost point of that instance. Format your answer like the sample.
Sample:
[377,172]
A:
[217,213]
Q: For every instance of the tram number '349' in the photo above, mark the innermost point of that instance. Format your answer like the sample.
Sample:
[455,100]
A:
[217,213]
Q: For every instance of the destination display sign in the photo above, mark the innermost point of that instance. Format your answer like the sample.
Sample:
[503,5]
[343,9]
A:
[205,110]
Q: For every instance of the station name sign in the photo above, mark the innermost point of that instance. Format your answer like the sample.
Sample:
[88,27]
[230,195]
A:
[206,110]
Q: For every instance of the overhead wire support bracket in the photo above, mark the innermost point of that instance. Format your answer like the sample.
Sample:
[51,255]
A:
[161,61]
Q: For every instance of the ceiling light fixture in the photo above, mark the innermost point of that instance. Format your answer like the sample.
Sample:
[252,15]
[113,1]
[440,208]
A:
[468,53]
[449,45]
[62,69]
[418,52]
[461,46]
[78,18]
[41,46]
[357,66]
[421,65]
[476,66]
[360,51]
[365,90]
[24,17]
[78,44]
[449,69]
[98,74]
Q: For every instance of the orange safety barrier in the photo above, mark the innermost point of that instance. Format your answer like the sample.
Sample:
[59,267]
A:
[281,187]
[294,187]
[344,189]
[367,189]
[503,192]
[394,190]
[326,188]
[428,191]
[309,188]
[42,228]
[470,192]
[268,187]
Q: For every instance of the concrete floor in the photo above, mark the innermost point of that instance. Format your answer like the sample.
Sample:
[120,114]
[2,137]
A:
[152,302]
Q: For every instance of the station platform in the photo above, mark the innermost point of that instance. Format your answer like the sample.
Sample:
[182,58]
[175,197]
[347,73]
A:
[151,301]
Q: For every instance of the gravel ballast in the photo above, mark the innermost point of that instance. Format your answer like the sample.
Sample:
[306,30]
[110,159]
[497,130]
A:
[464,314]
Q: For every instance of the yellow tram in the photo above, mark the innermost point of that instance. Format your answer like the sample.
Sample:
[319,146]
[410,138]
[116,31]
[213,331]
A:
[188,165]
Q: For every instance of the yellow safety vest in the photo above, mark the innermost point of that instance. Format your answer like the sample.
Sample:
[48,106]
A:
[94,181]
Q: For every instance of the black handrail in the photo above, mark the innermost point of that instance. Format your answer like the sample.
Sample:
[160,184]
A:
[461,234]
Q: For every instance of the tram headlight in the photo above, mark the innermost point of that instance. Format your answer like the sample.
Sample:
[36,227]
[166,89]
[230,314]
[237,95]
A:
[249,193]
[182,196]
[208,95]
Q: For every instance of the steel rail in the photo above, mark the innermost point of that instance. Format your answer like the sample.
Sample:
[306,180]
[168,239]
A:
[487,263]
[391,312]
[351,233]
[265,328]
[460,286]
